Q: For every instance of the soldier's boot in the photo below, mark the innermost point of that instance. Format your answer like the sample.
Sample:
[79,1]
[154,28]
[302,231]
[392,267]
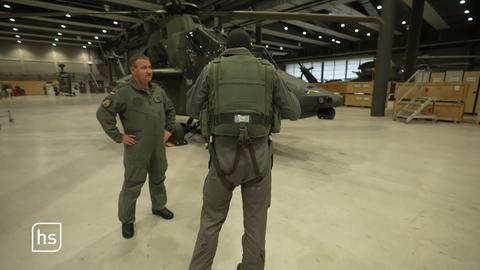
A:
[127,230]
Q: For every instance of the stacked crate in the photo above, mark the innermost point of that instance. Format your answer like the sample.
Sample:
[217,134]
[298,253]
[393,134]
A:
[450,98]
[472,102]
[334,87]
[359,94]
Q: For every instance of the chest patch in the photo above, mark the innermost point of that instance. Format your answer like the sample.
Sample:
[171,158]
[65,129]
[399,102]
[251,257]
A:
[157,99]
[137,101]
[106,103]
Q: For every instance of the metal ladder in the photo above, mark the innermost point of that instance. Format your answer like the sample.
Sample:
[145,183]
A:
[415,107]
[414,110]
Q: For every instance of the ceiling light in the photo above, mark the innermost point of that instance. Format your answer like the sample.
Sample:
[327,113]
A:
[285,28]
[12,19]
[266,46]
[19,41]
[59,33]
[251,43]
[338,41]
[56,39]
[84,46]
[63,26]
[15,29]
[320,37]
[368,34]
[17,36]
[304,33]
[462,2]
[68,15]
[379,7]
[281,48]
[470,19]
[356,30]
[466,11]
[404,22]
[333,40]
[95,37]
[115,22]
[342,25]
[104,31]
[54,44]
[6,6]
[89,43]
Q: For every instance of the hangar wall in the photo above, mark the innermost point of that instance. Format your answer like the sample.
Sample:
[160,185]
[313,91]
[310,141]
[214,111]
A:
[40,62]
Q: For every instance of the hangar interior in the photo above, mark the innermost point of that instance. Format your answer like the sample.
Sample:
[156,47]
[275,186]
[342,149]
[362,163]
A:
[359,191]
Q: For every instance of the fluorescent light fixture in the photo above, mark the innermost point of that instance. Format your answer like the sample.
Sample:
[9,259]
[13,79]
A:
[68,15]
[17,36]
[15,29]
[462,2]
[304,33]
[84,46]
[19,41]
[356,30]
[320,37]
[89,43]
[59,33]
[333,40]
[6,6]
[467,11]
[281,48]
[285,28]
[470,19]
[368,34]
[56,39]
[54,44]
[104,31]
[95,37]
[266,46]
[338,41]
[379,7]
[11,19]
[404,22]
[342,25]
[63,26]
[115,22]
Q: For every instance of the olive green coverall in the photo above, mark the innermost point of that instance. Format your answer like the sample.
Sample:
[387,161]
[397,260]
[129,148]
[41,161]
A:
[145,115]
[216,197]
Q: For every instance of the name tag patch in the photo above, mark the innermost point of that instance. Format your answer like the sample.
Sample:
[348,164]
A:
[238,118]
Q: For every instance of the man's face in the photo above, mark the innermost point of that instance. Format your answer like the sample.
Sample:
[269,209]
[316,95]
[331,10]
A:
[142,71]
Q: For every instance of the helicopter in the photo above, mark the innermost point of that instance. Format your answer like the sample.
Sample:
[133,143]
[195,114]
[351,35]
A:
[179,46]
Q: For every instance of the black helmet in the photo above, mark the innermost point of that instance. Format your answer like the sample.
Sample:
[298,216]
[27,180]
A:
[238,38]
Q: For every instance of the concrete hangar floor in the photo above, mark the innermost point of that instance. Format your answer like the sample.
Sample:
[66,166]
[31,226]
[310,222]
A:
[354,193]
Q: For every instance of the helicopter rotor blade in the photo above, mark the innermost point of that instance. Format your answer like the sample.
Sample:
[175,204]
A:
[272,15]
[89,13]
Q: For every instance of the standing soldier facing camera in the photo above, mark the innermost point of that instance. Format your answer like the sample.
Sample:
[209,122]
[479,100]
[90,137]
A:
[148,118]
[239,100]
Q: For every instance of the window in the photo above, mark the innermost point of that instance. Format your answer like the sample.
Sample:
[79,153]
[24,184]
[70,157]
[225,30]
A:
[317,70]
[352,66]
[328,70]
[339,73]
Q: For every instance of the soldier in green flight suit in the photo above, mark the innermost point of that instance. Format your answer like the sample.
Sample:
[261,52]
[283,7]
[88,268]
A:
[239,100]
[148,118]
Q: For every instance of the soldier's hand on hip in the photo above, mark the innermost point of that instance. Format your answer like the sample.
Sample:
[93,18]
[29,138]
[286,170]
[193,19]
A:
[129,139]
[166,135]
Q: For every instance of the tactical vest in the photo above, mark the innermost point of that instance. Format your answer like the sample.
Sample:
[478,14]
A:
[239,99]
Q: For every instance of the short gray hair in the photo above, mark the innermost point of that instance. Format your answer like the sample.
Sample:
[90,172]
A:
[133,59]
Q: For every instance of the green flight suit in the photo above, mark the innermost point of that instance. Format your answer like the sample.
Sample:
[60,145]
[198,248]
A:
[145,115]
[256,197]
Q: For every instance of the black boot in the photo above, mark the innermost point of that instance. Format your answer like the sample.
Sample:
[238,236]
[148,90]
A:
[164,213]
[127,230]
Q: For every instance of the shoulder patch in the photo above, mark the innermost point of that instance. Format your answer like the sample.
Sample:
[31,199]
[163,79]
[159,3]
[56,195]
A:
[157,99]
[107,103]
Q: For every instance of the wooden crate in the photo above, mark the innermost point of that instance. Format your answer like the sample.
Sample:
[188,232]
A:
[444,111]
[437,77]
[360,87]
[402,88]
[336,87]
[32,88]
[471,78]
[446,91]
[358,100]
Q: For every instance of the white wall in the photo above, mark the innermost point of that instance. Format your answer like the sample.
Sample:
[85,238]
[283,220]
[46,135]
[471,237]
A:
[40,61]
